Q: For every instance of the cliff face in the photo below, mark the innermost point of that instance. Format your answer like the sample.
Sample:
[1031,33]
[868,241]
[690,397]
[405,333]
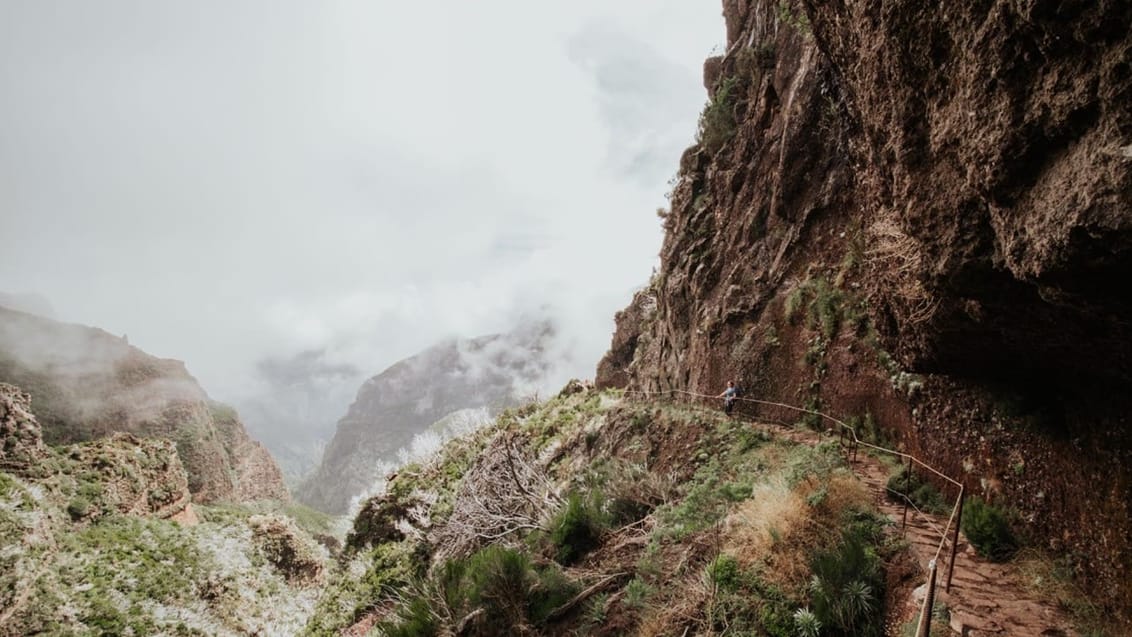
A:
[923,215]
[456,380]
[86,384]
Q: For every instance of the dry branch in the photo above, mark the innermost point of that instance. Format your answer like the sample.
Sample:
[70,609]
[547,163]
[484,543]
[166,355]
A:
[582,596]
[504,492]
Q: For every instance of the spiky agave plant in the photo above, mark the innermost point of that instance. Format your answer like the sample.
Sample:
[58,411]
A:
[806,623]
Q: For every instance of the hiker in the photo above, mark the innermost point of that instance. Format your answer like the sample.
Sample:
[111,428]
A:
[728,397]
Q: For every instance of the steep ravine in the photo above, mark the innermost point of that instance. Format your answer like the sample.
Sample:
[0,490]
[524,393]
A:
[921,214]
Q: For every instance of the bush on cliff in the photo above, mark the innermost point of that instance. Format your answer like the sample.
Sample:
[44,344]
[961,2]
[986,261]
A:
[986,526]
[717,123]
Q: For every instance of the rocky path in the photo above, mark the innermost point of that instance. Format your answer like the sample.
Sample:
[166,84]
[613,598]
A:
[985,598]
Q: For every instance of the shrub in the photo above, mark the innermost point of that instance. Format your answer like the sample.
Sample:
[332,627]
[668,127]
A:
[499,580]
[986,526]
[415,619]
[868,430]
[848,584]
[551,590]
[920,492]
[637,593]
[795,18]
[577,528]
[497,587]
[595,609]
[793,303]
[623,510]
[724,572]
[825,309]
[717,122]
[78,507]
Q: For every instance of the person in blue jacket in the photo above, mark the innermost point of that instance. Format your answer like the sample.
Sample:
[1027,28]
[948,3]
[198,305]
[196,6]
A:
[728,397]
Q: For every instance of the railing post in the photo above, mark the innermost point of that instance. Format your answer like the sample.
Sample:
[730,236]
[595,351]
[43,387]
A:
[907,479]
[955,538]
[925,626]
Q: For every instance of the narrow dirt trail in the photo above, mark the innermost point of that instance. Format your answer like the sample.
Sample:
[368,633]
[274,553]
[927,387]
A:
[985,598]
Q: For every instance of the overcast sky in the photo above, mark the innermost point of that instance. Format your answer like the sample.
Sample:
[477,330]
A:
[229,180]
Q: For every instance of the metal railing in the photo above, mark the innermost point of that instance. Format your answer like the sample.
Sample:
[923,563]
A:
[851,442]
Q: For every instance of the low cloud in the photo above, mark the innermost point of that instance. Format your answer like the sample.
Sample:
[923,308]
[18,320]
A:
[240,185]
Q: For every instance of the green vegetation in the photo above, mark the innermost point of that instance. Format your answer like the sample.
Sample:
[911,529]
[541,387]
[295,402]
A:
[578,527]
[986,526]
[938,627]
[79,507]
[495,591]
[671,516]
[794,17]
[384,569]
[221,412]
[718,123]
[72,564]
[827,307]
[848,581]
[1053,577]
[140,562]
[920,491]
[868,430]
[753,59]
[311,521]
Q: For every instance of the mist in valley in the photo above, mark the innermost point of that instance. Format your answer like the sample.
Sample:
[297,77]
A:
[290,198]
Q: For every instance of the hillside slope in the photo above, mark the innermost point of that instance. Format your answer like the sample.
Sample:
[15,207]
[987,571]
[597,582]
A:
[86,384]
[591,514]
[921,215]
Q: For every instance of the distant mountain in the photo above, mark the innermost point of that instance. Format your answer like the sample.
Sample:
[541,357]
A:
[86,384]
[456,381]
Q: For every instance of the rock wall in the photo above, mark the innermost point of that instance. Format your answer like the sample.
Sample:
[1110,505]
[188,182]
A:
[919,214]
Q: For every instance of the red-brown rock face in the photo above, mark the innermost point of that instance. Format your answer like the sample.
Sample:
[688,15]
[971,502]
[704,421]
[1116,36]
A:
[922,213]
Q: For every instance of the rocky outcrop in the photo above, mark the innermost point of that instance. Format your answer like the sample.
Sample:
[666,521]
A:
[296,557]
[630,323]
[256,476]
[86,384]
[21,444]
[922,214]
[129,475]
[119,474]
[455,380]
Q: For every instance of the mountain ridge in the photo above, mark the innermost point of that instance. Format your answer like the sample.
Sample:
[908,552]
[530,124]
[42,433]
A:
[86,384]
[488,373]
